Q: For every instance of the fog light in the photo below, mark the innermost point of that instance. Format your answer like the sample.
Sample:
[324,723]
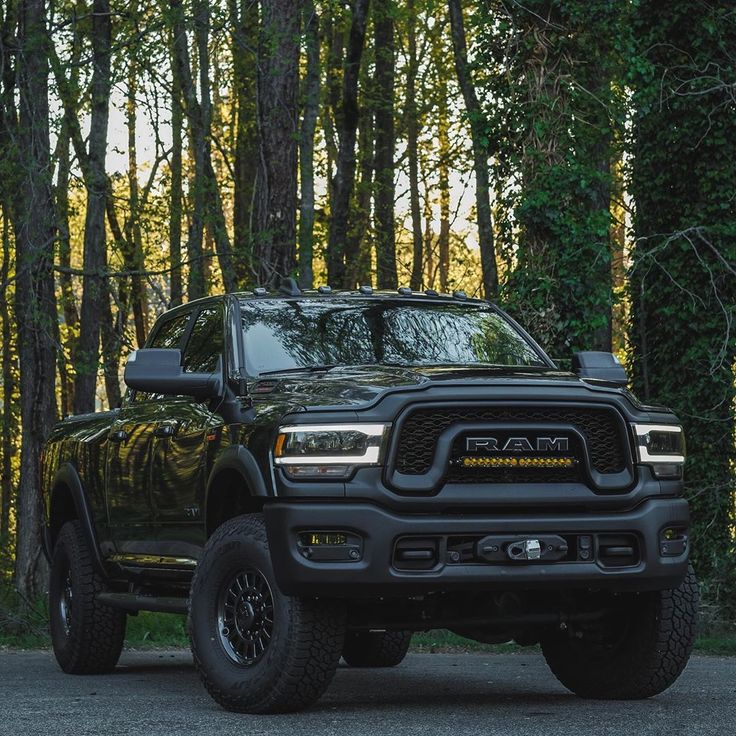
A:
[317,546]
[312,538]
[672,542]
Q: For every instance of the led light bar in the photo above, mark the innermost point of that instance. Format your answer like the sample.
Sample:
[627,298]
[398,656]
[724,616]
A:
[502,461]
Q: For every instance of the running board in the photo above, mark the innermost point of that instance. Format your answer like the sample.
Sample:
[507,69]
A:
[136,602]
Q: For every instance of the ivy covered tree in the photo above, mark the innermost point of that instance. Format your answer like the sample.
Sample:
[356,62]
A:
[553,108]
[683,281]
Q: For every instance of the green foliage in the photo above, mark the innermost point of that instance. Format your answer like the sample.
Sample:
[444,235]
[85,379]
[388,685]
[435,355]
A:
[683,280]
[554,115]
[24,625]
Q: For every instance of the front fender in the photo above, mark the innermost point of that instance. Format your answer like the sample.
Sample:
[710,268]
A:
[68,478]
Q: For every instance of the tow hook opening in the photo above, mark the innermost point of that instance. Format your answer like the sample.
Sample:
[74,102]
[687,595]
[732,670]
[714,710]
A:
[524,549]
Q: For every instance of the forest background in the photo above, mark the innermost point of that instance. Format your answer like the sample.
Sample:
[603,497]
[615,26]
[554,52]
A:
[572,160]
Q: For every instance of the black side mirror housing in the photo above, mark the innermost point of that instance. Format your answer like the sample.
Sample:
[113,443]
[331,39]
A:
[600,366]
[159,371]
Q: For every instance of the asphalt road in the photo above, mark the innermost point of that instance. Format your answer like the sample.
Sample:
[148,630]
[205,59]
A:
[468,694]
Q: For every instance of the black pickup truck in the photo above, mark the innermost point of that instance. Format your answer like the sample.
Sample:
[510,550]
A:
[315,475]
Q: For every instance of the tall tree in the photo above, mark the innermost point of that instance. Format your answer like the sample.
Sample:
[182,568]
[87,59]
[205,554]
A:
[347,116]
[207,205]
[244,23]
[478,137]
[412,144]
[683,283]
[35,303]
[383,22]
[278,114]
[177,189]
[444,153]
[310,106]
[95,293]
[358,246]
[552,115]
[134,235]
[67,297]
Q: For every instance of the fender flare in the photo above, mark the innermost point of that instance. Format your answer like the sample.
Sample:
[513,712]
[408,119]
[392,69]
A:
[68,476]
[242,461]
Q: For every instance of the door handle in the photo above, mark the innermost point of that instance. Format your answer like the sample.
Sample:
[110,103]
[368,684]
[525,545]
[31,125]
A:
[119,435]
[165,430]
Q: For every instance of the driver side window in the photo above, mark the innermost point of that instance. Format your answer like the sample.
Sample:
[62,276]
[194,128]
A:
[205,344]
[168,335]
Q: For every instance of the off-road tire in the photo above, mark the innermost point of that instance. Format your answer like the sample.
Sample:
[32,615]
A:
[306,639]
[376,648]
[89,640]
[648,656]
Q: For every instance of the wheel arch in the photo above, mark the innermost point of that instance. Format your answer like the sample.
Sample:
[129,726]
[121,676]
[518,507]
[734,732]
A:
[235,486]
[68,502]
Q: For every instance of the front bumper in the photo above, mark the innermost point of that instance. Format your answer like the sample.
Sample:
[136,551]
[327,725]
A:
[376,574]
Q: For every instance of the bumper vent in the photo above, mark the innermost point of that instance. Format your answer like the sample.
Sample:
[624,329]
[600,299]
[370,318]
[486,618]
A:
[601,428]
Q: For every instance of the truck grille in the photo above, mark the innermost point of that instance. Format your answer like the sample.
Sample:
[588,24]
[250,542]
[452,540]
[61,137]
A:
[600,427]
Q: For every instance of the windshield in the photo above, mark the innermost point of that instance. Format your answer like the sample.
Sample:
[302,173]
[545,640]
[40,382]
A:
[290,334]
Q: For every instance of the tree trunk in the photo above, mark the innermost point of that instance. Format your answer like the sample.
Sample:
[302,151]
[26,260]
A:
[383,15]
[68,351]
[244,22]
[175,218]
[480,158]
[412,136]
[94,283]
[133,235]
[358,265]
[66,288]
[274,237]
[306,146]
[35,307]
[207,202]
[443,163]
[347,124]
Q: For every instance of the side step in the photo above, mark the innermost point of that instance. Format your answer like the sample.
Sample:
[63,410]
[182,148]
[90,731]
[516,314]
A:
[137,602]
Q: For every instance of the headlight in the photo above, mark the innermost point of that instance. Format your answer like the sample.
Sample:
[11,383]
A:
[329,450]
[662,446]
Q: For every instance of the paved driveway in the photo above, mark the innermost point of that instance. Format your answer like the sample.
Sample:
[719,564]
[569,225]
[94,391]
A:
[456,694]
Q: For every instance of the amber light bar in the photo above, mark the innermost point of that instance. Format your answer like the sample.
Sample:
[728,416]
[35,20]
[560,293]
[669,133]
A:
[499,461]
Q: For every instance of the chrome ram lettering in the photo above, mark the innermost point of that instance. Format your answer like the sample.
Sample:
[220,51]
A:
[517,444]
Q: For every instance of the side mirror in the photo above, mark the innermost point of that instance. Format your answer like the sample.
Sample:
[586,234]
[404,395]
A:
[159,371]
[601,367]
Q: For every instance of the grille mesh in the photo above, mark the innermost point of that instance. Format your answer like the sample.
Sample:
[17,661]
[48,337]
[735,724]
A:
[420,431]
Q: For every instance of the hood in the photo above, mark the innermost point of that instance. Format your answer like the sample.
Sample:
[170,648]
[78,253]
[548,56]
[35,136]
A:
[355,386]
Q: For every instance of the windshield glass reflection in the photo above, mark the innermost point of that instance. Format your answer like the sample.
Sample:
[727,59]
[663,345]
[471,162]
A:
[289,334]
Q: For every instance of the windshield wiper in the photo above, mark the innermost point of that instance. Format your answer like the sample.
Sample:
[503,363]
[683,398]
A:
[301,369]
